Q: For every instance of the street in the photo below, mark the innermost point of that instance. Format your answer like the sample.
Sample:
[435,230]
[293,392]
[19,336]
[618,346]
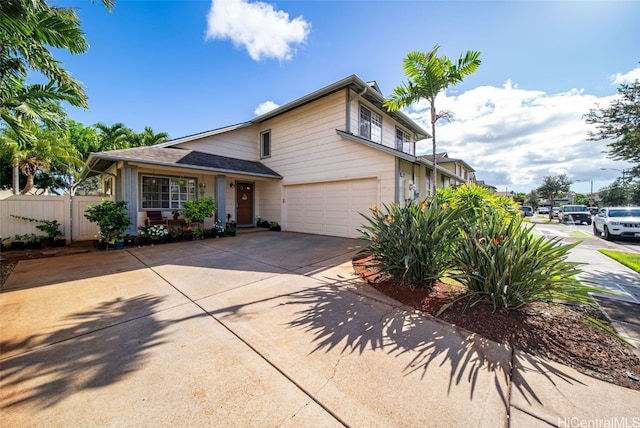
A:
[571,233]
[603,272]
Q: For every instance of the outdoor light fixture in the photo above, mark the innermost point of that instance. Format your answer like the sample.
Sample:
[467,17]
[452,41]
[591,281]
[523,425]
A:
[231,185]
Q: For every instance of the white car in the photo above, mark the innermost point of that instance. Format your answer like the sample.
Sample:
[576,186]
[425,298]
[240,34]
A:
[613,222]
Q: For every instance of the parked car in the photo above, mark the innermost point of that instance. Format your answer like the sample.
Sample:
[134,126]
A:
[526,211]
[613,222]
[543,210]
[554,212]
[574,214]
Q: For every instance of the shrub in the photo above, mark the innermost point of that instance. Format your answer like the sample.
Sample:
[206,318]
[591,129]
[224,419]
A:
[111,217]
[505,264]
[479,201]
[155,233]
[412,243]
[197,209]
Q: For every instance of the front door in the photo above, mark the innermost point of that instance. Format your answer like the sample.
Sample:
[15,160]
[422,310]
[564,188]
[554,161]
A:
[244,204]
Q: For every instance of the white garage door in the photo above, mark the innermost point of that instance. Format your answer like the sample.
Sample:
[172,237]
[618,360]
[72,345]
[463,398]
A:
[330,208]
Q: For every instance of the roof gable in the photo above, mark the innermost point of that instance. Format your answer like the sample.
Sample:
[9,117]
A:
[371,93]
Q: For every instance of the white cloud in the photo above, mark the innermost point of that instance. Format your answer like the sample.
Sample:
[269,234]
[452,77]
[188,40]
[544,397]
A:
[629,77]
[258,27]
[514,137]
[265,107]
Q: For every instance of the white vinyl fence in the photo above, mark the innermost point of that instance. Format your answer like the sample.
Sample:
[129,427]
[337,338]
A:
[69,211]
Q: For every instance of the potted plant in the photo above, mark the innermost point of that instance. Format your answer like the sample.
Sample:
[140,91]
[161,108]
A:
[129,240]
[51,228]
[26,241]
[274,226]
[111,218]
[155,234]
[198,209]
[231,228]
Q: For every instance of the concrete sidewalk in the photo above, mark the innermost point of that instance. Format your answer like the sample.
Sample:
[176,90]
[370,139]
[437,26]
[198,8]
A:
[264,329]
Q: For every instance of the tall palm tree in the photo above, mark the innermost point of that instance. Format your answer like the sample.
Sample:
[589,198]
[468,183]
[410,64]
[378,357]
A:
[429,75]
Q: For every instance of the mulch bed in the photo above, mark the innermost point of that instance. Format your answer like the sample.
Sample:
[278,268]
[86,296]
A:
[554,332]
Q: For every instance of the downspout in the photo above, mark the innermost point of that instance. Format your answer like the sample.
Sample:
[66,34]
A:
[413,180]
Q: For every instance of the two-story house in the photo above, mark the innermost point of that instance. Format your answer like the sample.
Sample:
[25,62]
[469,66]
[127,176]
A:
[313,165]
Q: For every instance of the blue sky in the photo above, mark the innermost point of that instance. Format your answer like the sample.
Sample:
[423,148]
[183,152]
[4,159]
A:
[188,66]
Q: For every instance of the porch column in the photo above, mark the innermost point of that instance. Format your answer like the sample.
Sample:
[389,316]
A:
[129,186]
[221,197]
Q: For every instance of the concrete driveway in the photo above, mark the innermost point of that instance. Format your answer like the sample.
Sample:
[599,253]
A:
[264,329]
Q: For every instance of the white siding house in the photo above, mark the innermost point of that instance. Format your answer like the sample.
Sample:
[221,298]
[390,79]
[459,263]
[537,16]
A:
[312,165]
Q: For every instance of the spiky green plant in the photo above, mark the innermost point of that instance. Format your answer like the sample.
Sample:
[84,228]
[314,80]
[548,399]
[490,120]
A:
[505,264]
[413,243]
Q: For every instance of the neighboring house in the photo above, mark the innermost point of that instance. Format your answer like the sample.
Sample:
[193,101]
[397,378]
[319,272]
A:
[481,183]
[312,165]
[451,172]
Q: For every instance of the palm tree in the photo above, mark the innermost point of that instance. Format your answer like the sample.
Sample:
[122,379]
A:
[28,30]
[47,147]
[113,137]
[429,75]
[148,138]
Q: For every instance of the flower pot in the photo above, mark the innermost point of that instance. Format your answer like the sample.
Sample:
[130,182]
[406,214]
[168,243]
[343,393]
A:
[17,245]
[99,245]
[46,242]
[118,245]
[59,242]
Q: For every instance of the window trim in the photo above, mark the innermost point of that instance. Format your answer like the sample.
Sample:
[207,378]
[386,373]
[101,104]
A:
[264,155]
[372,114]
[408,141]
[170,178]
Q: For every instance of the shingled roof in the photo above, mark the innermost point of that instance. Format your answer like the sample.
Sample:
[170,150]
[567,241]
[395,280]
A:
[170,156]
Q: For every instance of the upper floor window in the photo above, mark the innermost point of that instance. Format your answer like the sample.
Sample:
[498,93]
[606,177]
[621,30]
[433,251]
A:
[370,125]
[265,144]
[166,192]
[403,141]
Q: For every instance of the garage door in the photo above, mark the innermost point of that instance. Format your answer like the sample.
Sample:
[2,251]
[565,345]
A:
[330,208]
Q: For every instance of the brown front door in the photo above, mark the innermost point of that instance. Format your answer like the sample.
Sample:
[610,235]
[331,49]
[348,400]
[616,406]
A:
[244,204]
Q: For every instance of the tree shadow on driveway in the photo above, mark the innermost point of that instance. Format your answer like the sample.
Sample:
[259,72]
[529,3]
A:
[84,355]
[348,317]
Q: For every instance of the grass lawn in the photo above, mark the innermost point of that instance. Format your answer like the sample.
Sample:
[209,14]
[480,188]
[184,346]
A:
[630,260]
[581,235]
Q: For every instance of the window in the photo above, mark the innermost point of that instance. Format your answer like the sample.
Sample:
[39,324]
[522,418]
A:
[403,141]
[167,192]
[265,144]
[370,125]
